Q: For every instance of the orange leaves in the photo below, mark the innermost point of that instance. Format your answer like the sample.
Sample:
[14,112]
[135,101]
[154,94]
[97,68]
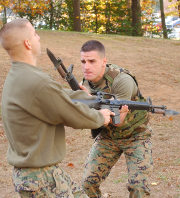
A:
[6,3]
[70,165]
[32,7]
[171,118]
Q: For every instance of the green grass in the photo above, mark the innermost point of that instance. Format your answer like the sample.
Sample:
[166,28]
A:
[177,162]
[163,178]
[121,179]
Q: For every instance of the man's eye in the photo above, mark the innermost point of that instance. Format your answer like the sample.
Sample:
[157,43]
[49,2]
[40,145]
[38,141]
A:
[83,61]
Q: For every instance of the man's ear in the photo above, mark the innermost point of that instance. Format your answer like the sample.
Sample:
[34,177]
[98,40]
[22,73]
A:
[104,61]
[27,44]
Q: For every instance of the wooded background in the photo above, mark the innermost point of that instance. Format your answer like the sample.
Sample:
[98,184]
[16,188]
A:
[125,17]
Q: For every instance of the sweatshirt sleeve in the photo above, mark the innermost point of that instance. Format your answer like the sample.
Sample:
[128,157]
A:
[53,105]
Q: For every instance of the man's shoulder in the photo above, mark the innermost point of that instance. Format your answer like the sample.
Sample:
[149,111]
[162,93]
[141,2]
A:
[123,78]
[118,73]
[30,76]
[21,67]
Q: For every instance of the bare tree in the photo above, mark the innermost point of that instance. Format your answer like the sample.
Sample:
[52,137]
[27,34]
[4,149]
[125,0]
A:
[108,16]
[136,18]
[51,15]
[163,19]
[5,15]
[76,16]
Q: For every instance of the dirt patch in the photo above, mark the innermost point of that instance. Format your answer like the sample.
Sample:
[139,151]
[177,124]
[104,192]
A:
[156,64]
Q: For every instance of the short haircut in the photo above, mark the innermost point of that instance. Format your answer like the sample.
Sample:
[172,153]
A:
[93,45]
[8,27]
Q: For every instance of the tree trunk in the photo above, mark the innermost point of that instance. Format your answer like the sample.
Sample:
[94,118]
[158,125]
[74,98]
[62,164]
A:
[5,15]
[96,13]
[108,17]
[77,20]
[163,20]
[51,15]
[136,18]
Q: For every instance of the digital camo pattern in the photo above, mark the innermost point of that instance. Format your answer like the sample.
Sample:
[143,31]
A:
[105,152]
[135,122]
[49,182]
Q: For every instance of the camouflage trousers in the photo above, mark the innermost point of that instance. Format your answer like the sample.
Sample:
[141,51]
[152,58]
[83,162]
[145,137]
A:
[103,155]
[46,182]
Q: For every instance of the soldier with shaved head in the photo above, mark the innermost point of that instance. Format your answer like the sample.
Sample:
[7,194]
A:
[35,109]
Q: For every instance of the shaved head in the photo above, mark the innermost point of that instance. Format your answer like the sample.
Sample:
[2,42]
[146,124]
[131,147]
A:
[14,33]
[21,41]
[93,45]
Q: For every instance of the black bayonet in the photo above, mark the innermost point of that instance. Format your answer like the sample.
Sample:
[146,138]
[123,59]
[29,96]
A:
[65,74]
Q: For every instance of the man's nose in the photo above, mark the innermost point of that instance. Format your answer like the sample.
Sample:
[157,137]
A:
[86,66]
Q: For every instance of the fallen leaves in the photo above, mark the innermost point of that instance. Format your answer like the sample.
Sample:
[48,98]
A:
[171,118]
[70,165]
[154,183]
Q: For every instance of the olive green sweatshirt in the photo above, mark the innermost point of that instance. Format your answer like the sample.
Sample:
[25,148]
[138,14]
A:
[35,109]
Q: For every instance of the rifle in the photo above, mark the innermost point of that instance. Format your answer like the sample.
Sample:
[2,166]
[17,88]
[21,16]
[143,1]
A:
[65,74]
[114,105]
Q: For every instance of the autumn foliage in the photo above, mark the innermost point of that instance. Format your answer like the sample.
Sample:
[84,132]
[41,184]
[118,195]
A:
[100,16]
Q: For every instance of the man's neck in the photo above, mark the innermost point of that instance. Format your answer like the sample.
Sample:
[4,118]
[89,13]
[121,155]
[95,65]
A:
[25,59]
[30,62]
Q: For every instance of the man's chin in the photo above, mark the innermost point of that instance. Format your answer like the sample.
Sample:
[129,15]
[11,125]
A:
[88,78]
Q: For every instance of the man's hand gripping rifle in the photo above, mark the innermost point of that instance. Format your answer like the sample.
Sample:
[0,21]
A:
[100,102]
